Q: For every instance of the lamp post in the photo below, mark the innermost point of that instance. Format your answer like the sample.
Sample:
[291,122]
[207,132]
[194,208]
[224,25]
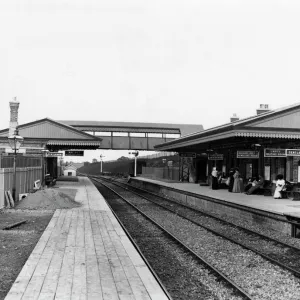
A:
[15,141]
[101,156]
[135,153]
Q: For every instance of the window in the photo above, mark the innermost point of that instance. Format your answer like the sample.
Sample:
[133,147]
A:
[120,133]
[137,134]
[104,133]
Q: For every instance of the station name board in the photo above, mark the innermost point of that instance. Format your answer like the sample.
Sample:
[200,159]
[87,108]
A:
[215,156]
[292,152]
[74,153]
[247,154]
[281,152]
[53,154]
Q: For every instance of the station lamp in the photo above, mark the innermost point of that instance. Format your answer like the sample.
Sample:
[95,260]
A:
[15,141]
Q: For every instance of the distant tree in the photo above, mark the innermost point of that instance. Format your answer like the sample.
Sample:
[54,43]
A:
[86,163]
[94,160]
[122,158]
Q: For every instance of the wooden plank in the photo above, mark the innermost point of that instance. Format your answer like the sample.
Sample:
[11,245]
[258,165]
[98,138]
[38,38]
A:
[94,290]
[64,286]
[79,290]
[152,286]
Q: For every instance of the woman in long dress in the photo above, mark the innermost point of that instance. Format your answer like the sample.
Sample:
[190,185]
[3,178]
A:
[280,183]
[214,176]
[238,186]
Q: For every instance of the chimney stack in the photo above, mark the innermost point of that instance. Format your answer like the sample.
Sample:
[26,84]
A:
[234,118]
[13,123]
[262,108]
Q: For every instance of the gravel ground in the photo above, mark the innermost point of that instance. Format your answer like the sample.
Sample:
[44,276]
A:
[182,275]
[273,249]
[256,275]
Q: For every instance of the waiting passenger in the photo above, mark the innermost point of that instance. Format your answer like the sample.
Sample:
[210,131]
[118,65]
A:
[257,186]
[214,176]
[280,185]
[238,186]
[231,180]
[251,182]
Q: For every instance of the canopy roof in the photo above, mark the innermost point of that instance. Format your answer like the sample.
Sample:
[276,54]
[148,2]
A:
[55,135]
[283,123]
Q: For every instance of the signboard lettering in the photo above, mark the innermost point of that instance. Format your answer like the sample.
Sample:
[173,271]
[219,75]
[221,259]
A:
[247,154]
[74,153]
[293,152]
[275,152]
[188,154]
[53,154]
[215,156]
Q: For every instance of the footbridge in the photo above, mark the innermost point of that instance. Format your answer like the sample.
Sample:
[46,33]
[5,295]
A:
[132,135]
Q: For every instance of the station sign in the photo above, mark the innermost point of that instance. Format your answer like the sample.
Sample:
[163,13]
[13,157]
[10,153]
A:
[74,153]
[275,152]
[247,154]
[215,156]
[53,154]
[292,152]
[188,154]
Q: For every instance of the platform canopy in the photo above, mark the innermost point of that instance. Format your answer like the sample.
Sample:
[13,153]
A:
[52,135]
[273,126]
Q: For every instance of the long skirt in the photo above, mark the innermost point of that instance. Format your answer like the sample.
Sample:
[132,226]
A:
[277,193]
[214,184]
[238,186]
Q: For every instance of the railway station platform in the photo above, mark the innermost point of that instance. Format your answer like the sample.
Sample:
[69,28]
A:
[272,212]
[85,254]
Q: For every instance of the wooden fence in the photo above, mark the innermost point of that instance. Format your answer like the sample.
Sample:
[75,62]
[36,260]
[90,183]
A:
[25,178]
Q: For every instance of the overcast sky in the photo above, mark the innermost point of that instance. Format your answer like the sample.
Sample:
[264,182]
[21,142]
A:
[170,61]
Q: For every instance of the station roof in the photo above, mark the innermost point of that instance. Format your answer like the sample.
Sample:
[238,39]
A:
[107,126]
[283,123]
[55,135]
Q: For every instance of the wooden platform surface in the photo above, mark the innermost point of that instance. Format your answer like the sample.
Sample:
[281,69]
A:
[85,254]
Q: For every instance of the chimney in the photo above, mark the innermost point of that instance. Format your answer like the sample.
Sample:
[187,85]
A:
[13,123]
[262,108]
[234,118]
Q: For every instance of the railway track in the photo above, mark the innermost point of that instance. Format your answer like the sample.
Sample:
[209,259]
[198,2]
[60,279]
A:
[278,252]
[191,267]
[273,250]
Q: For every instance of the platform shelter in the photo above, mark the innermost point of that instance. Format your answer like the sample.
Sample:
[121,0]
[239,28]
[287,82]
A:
[38,157]
[265,144]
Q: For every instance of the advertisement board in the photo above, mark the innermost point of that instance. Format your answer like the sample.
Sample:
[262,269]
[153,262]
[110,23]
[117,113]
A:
[215,156]
[74,153]
[275,152]
[247,154]
[293,152]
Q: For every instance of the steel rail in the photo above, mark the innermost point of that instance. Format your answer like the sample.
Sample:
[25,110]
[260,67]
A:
[181,243]
[284,266]
[213,216]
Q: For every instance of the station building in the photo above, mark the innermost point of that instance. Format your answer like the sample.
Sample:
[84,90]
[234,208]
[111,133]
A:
[266,144]
[39,158]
